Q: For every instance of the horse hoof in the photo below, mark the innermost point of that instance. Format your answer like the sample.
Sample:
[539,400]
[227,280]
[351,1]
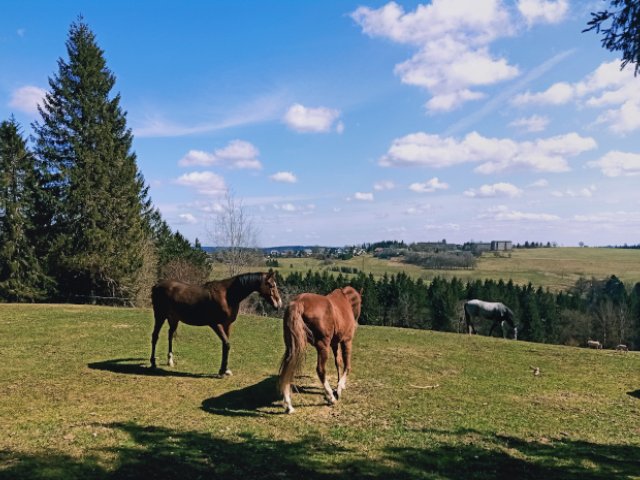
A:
[225,373]
[336,394]
[288,410]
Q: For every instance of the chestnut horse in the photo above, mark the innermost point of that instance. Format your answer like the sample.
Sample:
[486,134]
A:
[327,322]
[214,304]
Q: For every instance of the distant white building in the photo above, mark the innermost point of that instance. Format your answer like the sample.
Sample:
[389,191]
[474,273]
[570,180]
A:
[501,245]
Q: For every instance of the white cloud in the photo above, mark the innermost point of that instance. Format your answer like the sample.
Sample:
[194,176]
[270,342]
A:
[363,196]
[585,192]
[187,218]
[542,155]
[616,164]
[557,94]
[503,213]
[452,39]
[384,185]
[236,154]
[316,120]
[429,186]
[284,177]
[542,183]
[496,190]
[606,86]
[27,98]
[534,123]
[207,183]
[545,11]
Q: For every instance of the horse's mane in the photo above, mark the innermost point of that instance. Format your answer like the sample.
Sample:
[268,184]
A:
[244,280]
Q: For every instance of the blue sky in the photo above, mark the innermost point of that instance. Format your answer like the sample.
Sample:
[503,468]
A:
[338,122]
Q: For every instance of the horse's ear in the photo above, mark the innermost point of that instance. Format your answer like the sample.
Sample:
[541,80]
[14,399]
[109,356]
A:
[270,273]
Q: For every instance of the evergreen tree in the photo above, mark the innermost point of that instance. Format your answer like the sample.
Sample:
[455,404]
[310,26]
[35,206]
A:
[21,275]
[96,198]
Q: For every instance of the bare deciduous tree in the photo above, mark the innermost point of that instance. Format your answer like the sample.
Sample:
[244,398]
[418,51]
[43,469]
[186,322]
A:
[234,234]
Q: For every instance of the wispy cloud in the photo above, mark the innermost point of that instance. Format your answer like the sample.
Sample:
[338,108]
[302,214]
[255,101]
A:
[262,109]
[532,124]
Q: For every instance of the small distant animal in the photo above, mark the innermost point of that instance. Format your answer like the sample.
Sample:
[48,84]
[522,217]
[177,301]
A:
[497,312]
[594,344]
[535,370]
[622,348]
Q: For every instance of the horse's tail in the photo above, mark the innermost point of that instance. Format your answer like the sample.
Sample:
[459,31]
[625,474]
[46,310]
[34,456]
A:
[467,317]
[296,334]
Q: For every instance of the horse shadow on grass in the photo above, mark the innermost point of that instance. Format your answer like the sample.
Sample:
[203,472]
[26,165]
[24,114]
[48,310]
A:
[634,394]
[136,366]
[160,452]
[250,401]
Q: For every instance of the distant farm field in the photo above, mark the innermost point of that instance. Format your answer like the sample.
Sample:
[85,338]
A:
[556,268]
[78,401]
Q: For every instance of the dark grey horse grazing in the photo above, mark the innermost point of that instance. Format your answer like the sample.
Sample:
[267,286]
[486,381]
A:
[498,312]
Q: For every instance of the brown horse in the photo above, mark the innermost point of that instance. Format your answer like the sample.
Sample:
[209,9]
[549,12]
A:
[327,322]
[214,304]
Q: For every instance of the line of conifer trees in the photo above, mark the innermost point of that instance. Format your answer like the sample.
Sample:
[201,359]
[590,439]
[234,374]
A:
[76,221]
[593,309]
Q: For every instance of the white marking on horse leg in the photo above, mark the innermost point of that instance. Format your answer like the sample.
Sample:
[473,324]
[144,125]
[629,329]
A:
[342,384]
[170,362]
[288,408]
[328,393]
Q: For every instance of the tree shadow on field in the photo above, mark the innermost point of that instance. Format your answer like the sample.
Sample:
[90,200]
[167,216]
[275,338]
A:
[245,402]
[136,366]
[158,452]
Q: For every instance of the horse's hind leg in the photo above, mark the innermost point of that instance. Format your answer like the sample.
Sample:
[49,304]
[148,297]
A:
[338,361]
[159,321]
[173,326]
[346,358]
[323,356]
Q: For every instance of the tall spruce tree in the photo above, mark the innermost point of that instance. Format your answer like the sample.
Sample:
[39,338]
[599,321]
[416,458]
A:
[95,197]
[21,275]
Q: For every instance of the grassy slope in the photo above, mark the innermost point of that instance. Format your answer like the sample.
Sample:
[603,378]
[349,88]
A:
[556,268]
[77,401]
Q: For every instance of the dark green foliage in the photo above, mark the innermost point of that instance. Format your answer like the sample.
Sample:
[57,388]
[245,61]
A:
[21,275]
[171,245]
[94,197]
[542,316]
[620,29]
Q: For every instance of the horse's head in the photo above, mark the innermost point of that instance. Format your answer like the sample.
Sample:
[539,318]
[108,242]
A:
[269,289]
[355,298]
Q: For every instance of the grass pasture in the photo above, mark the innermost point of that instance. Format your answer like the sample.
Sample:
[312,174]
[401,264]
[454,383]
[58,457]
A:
[78,401]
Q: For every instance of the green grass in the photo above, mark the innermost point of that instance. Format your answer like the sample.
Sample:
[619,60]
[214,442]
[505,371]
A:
[78,401]
[555,268]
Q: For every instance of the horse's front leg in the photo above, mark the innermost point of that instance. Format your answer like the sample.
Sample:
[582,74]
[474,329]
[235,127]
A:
[323,356]
[493,326]
[222,333]
[173,326]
